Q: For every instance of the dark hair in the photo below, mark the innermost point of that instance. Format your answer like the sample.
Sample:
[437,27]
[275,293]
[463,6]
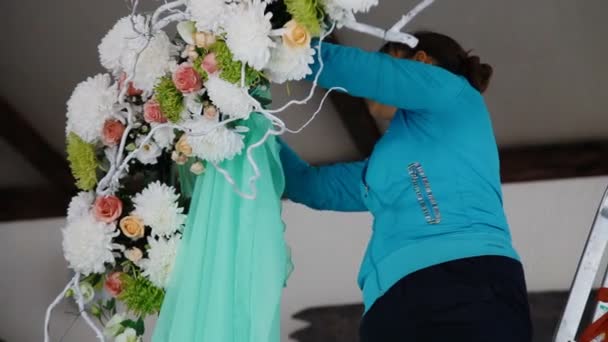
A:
[449,55]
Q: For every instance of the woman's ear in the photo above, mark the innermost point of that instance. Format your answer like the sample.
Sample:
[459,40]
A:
[423,57]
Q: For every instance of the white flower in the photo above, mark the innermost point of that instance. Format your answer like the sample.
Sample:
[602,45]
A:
[248,34]
[87,244]
[338,14]
[289,64]
[91,103]
[158,208]
[113,326]
[149,152]
[164,136]
[87,291]
[161,258]
[216,144]
[119,48]
[155,61]
[125,34]
[353,5]
[129,335]
[207,14]
[80,205]
[230,99]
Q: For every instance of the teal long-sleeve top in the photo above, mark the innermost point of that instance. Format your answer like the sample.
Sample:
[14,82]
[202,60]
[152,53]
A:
[432,182]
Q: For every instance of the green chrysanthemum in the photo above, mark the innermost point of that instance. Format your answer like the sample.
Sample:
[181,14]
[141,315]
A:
[141,296]
[170,99]
[83,163]
[231,69]
[307,13]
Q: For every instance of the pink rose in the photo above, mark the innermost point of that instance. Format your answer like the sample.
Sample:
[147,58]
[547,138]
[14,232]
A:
[113,284]
[132,91]
[112,132]
[210,63]
[153,113]
[107,208]
[186,79]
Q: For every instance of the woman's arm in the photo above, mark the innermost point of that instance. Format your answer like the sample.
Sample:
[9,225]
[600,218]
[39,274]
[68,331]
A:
[335,187]
[401,83]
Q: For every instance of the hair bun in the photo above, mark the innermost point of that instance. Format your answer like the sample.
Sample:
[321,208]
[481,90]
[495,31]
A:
[478,73]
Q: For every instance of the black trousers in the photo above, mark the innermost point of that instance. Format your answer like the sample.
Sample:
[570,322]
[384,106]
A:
[481,299]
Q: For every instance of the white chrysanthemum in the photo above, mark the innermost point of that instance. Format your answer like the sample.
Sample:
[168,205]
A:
[149,152]
[157,206]
[155,61]
[207,14]
[248,34]
[126,34]
[290,64]
[164,136]
[353,5]
[91,103]
[80,205]
[119,48]
[217,144]
[161,258]
[87,244]
[338,14]
[229,98]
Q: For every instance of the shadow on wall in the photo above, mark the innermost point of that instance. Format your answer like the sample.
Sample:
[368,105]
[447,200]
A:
[341,323]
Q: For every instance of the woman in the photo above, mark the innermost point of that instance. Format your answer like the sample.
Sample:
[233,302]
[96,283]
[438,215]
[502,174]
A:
[440,265]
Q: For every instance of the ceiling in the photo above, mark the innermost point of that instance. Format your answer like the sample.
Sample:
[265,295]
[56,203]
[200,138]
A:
[548,55]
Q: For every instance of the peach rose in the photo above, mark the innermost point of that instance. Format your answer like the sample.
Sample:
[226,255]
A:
[204,40]
[134,254]
[112,132]
[132,227]
[113,284]
[107,208]
[197,168]
[186,79]
[210,63]
[132,91]
[296,35]
[183,147]
[179,158]
[153,113]
[210,112]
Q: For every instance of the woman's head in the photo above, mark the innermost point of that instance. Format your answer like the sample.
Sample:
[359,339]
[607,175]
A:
[445,52]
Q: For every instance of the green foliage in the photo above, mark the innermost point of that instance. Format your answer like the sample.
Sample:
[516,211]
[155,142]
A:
[169,98]
[83,163]
[198,66]
[231,69]
[308,13]
[137,326]
[140,295]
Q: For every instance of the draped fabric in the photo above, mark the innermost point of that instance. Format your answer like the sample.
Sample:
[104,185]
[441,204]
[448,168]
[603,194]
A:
[233,262]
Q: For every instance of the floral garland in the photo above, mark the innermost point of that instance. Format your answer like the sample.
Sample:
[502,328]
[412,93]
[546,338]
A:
[169,103]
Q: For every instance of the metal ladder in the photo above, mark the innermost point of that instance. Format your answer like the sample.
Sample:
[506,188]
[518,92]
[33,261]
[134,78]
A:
[585,276]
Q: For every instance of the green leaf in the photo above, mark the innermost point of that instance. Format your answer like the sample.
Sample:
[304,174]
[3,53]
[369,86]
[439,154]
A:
[137,326]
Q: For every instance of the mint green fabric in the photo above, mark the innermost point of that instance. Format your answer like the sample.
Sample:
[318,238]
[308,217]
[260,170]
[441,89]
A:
[232,263]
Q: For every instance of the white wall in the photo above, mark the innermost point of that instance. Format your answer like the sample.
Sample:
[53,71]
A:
[550,222]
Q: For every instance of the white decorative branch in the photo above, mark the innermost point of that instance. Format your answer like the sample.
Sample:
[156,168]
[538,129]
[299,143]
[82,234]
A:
[168,6]
[394,34]
[410,15]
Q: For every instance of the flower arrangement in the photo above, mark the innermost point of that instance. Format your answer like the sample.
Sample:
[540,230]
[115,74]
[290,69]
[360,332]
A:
[164,104]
